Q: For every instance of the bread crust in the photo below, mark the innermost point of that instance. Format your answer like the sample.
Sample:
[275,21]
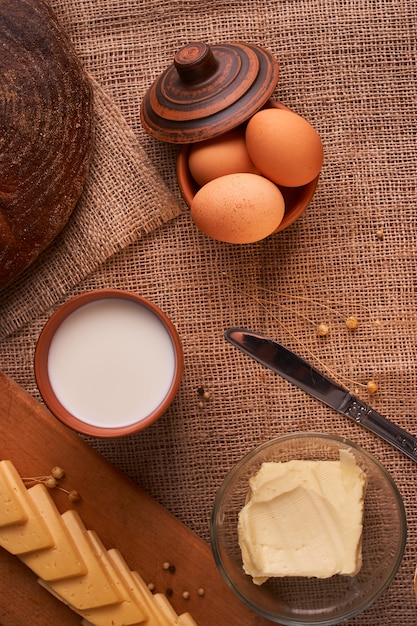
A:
[46,132]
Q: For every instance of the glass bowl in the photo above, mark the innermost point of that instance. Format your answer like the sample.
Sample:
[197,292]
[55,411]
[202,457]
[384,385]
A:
[298,601]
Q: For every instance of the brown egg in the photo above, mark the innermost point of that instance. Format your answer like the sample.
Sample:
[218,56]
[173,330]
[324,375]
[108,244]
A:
[284,147]
[225,154]
[238,208]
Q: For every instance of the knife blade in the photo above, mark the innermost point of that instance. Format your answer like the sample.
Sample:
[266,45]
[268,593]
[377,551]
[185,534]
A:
[293,368]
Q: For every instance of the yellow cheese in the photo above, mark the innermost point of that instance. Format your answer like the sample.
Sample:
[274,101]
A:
[11,511]
[126,613]
[142,588]
[139,589]
[167,612]
[165,608]
[63,559]
[95,588]
[72,563]
[303,518]
[31,535]
[185,619]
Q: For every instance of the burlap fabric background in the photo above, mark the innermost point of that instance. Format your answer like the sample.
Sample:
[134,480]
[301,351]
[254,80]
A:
[348,67]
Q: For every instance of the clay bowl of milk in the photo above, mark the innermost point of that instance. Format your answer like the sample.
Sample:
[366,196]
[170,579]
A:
[108,363]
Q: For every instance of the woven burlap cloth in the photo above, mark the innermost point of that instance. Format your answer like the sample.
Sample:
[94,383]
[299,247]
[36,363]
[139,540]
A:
[350,69]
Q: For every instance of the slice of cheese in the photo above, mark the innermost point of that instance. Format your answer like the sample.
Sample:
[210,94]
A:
[165,608]
[168,611]
[32,534]
[126,613]
[11,511]
[142,588]
[185,619]
[95,588]
[139,589]
[63,559]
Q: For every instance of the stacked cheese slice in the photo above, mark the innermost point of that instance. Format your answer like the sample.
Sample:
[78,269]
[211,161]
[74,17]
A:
[72,563]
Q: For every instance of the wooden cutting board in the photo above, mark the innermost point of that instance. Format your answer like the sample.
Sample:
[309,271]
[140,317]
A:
[123,515]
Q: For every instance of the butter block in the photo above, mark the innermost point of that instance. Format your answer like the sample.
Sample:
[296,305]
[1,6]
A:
[11,511]
[303,518]
[63,559]
[95,588]
[28,536]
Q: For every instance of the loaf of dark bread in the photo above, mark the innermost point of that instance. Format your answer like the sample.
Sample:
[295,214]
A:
[46,132]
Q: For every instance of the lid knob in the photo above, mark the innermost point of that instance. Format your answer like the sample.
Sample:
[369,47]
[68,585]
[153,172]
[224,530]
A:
[195,62]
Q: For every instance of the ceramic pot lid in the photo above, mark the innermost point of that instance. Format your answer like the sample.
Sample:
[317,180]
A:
[208,90]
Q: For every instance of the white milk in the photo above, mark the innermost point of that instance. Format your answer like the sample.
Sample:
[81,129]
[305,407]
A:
[111,362]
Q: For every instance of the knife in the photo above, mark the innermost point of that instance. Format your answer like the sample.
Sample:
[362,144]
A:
[297,371]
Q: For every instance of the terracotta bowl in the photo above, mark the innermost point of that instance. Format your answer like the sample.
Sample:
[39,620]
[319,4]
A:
[296,199]
[108,363]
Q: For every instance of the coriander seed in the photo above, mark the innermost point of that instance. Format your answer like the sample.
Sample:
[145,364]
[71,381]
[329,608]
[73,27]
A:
[323,330]
[58,472]
[50,482]
[352,322]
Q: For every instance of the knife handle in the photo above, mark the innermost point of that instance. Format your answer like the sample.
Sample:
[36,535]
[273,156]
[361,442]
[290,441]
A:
[381,426]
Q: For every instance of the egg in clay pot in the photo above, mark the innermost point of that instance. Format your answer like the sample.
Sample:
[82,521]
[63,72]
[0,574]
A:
[275,147]
[284,147]
[238,208]
[221,155]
